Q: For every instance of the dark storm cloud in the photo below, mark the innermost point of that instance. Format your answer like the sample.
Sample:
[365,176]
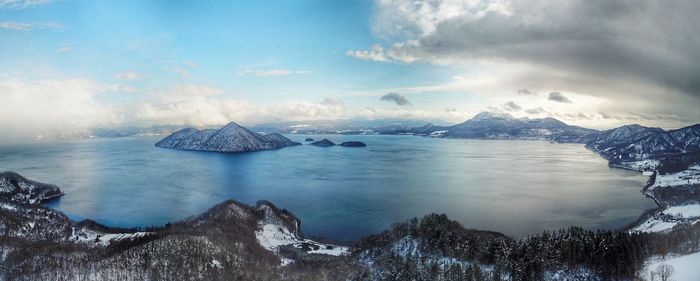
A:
[396,98]
[645,40]
[558,97]
[511,106]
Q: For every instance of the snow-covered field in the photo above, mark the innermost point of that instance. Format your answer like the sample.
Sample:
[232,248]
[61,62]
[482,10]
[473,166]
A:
[669,218]
[685,211]
[689,176]
[685,268]
[272,237]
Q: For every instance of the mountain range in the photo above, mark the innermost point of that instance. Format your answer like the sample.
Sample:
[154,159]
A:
[489,125]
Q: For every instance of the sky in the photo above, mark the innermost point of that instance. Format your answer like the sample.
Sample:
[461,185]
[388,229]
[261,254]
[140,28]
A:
[67,65]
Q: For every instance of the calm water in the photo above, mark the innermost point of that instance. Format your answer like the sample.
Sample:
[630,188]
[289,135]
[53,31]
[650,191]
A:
[515,187]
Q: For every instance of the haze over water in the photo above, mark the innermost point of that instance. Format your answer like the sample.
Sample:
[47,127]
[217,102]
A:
[515,187]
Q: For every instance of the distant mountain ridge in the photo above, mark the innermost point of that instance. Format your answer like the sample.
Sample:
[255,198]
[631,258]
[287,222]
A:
[230,138]
[489,125]
[352,126]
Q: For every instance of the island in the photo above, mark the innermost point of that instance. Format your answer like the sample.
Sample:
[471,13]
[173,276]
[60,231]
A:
[353,144]
[309,139]
[230,138]
[323,143]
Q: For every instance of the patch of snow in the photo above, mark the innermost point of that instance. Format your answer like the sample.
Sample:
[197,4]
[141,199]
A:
[685,268]
[438,133]
[8,207]
[641,165]
[272,237]
[407,246]
[90,236]
[654,225]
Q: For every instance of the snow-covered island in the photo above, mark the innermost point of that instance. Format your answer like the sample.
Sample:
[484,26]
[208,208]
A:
[230,138]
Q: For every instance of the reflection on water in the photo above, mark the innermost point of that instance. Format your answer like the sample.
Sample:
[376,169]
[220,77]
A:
[515,187]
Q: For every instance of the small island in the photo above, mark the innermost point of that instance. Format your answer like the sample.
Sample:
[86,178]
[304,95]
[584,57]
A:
[353,144]
[309,139]
[323,143]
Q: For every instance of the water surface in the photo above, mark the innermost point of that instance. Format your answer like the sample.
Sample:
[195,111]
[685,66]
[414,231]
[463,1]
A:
[515,187]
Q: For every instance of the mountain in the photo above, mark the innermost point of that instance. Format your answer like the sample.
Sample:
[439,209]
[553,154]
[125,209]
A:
[16,188]
[489,125]
[230,138]
[350,126]
[636,143]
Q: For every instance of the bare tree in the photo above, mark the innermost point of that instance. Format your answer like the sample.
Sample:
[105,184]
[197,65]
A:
[664,272]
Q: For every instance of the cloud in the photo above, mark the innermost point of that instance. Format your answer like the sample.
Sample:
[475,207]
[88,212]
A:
[183,68]
[333,101]
[129,75]
[558,97]
[526,92]
[536,110]
[269,72]
[375,53]
[22,4]
[24,26]
[396,98]
[33,107]
[511,106]
[450,110]
[603,39]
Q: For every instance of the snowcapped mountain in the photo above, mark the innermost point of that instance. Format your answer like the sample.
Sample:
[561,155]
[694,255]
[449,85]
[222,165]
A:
[635,142]
[489,125]
[230,138]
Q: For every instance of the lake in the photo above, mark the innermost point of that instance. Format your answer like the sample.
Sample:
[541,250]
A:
[515,187]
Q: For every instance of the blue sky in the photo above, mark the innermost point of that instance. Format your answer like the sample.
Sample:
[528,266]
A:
[208,62]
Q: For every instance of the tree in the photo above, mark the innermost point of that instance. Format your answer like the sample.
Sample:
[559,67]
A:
[664,271]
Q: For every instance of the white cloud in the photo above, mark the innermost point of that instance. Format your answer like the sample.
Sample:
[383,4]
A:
[375,53]
[129,75]
[30,108]
[22,4]
[24,26]
[269,72]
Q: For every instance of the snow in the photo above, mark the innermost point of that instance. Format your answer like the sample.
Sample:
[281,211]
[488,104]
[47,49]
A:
[685,211]
[8,207]
[669,218]
[654,225]
[272,237]
[90,236]
[438,133]
[641,165]
[689,176]
[685,268]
